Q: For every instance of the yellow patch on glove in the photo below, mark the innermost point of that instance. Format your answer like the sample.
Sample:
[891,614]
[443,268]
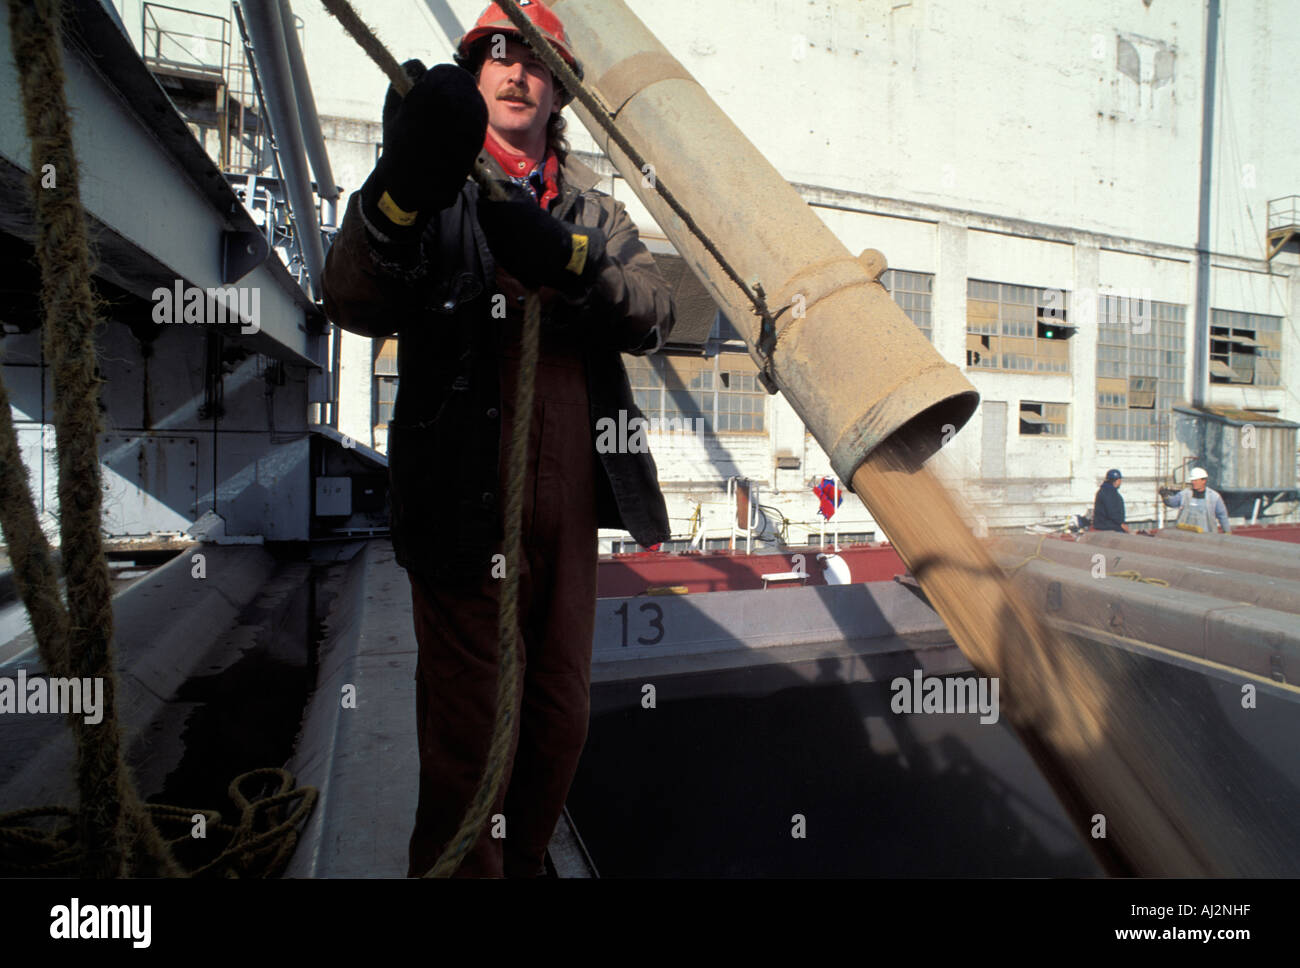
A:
[579,257]
[394,213]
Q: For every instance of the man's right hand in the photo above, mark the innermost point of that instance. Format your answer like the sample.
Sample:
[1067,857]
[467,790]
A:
[1167,491]
[430,143]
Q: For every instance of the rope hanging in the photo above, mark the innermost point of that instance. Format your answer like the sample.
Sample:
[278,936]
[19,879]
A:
[507,694]
[113,834]
[77,643]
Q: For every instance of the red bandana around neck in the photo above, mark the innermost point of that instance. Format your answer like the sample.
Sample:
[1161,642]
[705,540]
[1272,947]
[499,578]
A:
[531,173]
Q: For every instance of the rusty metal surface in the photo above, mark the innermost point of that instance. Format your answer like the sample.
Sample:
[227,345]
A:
[849,361]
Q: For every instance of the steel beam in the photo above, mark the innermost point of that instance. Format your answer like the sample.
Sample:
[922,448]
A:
[314,140]
[447,20]
[1261,641]
[270,48]
[158,209]
[1203,551]
[1219,581]
[1201,330]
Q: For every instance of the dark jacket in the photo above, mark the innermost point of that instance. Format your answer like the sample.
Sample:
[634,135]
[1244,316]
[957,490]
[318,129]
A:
[444,437]
[1108,509]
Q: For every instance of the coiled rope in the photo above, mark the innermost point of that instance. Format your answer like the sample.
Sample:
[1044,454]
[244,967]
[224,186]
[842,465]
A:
[258,844]
[1036,556]
[1137,576]
[113,834]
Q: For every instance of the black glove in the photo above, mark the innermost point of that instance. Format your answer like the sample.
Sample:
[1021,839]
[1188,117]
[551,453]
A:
[537,248]
[1167,492]
[431,138]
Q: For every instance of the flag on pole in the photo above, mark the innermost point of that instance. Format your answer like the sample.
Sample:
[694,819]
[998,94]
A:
[827,493]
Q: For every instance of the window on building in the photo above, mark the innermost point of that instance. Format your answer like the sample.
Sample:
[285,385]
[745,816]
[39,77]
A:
[1245,348]
[385,375]
[914,293]
[1140,358]
[1019,329]
[741,400]
[1044,419]
[688,390]
[722,390]
[1142,392]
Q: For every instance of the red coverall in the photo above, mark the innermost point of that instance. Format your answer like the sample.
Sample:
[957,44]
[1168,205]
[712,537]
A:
[458,639]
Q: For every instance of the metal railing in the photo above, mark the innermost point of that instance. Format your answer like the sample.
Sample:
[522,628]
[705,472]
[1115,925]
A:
[1284,212]
[176,40]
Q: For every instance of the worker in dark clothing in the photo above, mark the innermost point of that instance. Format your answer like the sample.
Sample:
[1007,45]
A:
[423,253]
[1108,508]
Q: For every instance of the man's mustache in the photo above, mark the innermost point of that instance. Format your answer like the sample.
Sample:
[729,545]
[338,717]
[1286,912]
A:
[515,93]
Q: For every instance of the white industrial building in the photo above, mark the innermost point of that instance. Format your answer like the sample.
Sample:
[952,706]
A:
[1032,172]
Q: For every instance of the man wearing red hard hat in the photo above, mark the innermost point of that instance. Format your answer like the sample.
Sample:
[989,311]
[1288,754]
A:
[423,253]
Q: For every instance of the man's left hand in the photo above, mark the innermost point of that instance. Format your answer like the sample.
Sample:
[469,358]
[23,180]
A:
[537,248]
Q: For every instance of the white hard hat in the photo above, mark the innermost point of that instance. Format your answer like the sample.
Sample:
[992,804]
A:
[1197,474]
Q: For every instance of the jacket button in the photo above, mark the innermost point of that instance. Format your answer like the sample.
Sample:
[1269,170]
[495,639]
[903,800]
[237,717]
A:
[487,497]
[519,299]
[449,305]
[492,413]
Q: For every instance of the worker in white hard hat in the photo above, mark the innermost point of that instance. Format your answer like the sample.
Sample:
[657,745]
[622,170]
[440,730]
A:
[1200,506]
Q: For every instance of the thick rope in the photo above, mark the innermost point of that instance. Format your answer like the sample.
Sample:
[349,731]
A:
[1034,557]
[508,675]
[507,694]
[114,833]
[111,815]
[34,573]
[1130,574]
[259,844]
[1138,577]
[359,31]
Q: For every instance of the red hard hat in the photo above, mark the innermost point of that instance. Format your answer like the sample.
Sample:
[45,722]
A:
[493,20]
